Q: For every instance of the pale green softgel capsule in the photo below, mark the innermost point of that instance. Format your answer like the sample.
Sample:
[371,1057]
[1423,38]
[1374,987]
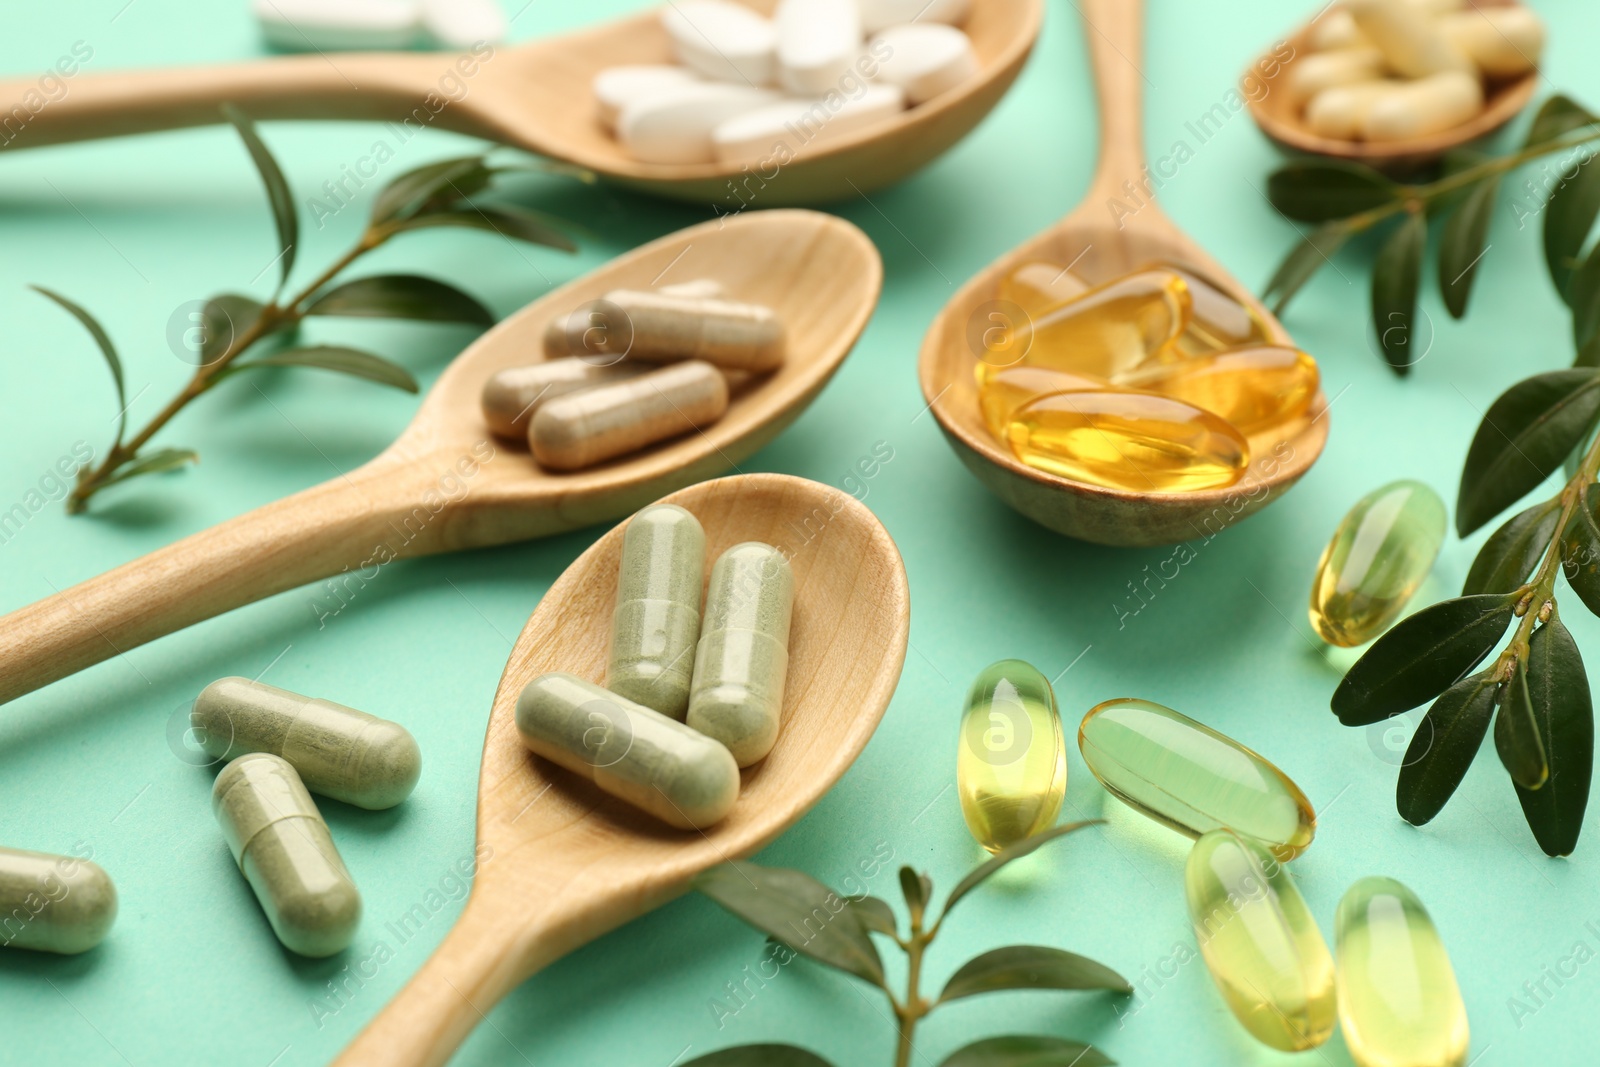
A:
[50,903]
[1377,558]
[743,658]
[657,620]
[657,764]
[338,752]
[1399,1005]
[1011,765]
[283,848]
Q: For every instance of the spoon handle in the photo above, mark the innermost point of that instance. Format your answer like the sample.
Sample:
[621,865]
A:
[1115,32]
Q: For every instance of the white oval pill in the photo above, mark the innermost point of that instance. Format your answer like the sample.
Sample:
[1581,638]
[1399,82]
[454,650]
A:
[617,87]
[779,131]
[464,23]
[674,126]
[818,41]
[1424,106]
[1411,43]
[338,25]
[1340,111]
[1309,75]
[722,40]
[1502,41]
[877,15]
[924,59]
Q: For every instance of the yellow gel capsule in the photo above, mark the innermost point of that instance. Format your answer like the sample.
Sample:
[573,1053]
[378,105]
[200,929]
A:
[1399,1005]
[1002,392]
[1127,440]
[1260,943]
[1218,320]
[1011,768]
[1188,776]
[1111,327]
[1378,557]
[1255,388]
[1039,288]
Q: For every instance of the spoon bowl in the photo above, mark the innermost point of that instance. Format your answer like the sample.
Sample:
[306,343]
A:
[537,96]
[446,484]
[560,862]
[1100,241]
[1279,117]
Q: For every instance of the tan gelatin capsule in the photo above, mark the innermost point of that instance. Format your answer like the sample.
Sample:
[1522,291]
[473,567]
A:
[664,327]
[338,752]
[49,903]
[1503,42]
[1340,111]
[1310,74]
[511,397]
[1425,106]
[1002,392]
[286,854]
[657,764]
[1254,388]
[742,662]
[657,621]
[592,426]
[1411,44]
[1335,27]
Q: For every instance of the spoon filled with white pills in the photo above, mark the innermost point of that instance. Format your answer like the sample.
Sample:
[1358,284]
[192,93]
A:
[750,103]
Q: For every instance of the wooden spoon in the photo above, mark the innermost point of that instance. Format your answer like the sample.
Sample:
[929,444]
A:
[445,484]
[537,96]
[1280,117]
[1101,241]
[561,862]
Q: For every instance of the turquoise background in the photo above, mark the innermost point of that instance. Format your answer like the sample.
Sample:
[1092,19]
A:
[133,228]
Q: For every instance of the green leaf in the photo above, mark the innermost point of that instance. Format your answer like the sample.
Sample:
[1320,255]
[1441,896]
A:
[1006,855]
[1461,246]
[351,361]
[1558,116]
[1580,549]
[1443,747]
[1028,1051]
[1516,734]
[1583,293]
[446,181]
[1324,190]
[167,459]
[107,349]
[874,915]
[402,296]
[1421,657]
[224,319]
[1526,434]
[278,194]
[502,219]
[796,909]
[1512,552]
[1568,217]
[1588,355]
[759,1056]
[1396,276]
[1030,967]
[916,888]
[1559,689]
[1314,249]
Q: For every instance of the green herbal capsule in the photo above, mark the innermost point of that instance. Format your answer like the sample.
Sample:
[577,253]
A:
[1260,943]
[53,903]
[338,752]
[1399,1005]
[1190,777]
[743,657]
[1011,768]
[657,620]
[283,848]
[1378,557]
[657,764]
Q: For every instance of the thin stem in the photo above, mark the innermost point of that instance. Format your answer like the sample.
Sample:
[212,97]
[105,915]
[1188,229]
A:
[914,1007]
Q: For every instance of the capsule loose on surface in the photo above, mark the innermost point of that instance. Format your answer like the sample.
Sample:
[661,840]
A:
[50,903]
[1003,392]
[1011,767]
[1410,42]
[282,845]
[1399,1005]
[742,661]
[511,397]
[1427,105]
[657,621]
[1128,440]
[1112,327]
[664,327]
[1260,943]
[589,427]
[337,751]
[1254,388]
[1503,42]
[657,764]
[1378,557]
[1188,776]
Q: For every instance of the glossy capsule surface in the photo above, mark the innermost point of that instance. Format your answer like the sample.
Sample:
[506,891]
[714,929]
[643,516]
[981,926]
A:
[1002,392]
[50,903]
[1011,766]
[1399,1005]
[1040,287]
[1218,320]
[1259,941]
[657,620]
[1111,327]
[1255,388]
[1134,441]
[1190,777]
[1379,555]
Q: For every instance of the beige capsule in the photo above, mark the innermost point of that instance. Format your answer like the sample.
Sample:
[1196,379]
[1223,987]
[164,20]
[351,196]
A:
[51,903]
[1424,106]
[1412,45]
[1340,111]
[582,429]
[1311,74]
[664,327]
[1502,41]
[1335,28]
[512,396]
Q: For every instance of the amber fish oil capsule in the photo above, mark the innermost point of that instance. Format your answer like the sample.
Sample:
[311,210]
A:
[1190,777]
[1003,393]
[1112,327]
[1254,388]
[661,327]
[1011,767]
[1378,557]
[1259,941]
[592,426]
[48,903]
[657,621]
[338,752]
[283,848]
[742,661]
[1039,288]
[1399,1005]
[657,764]
[512,396]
